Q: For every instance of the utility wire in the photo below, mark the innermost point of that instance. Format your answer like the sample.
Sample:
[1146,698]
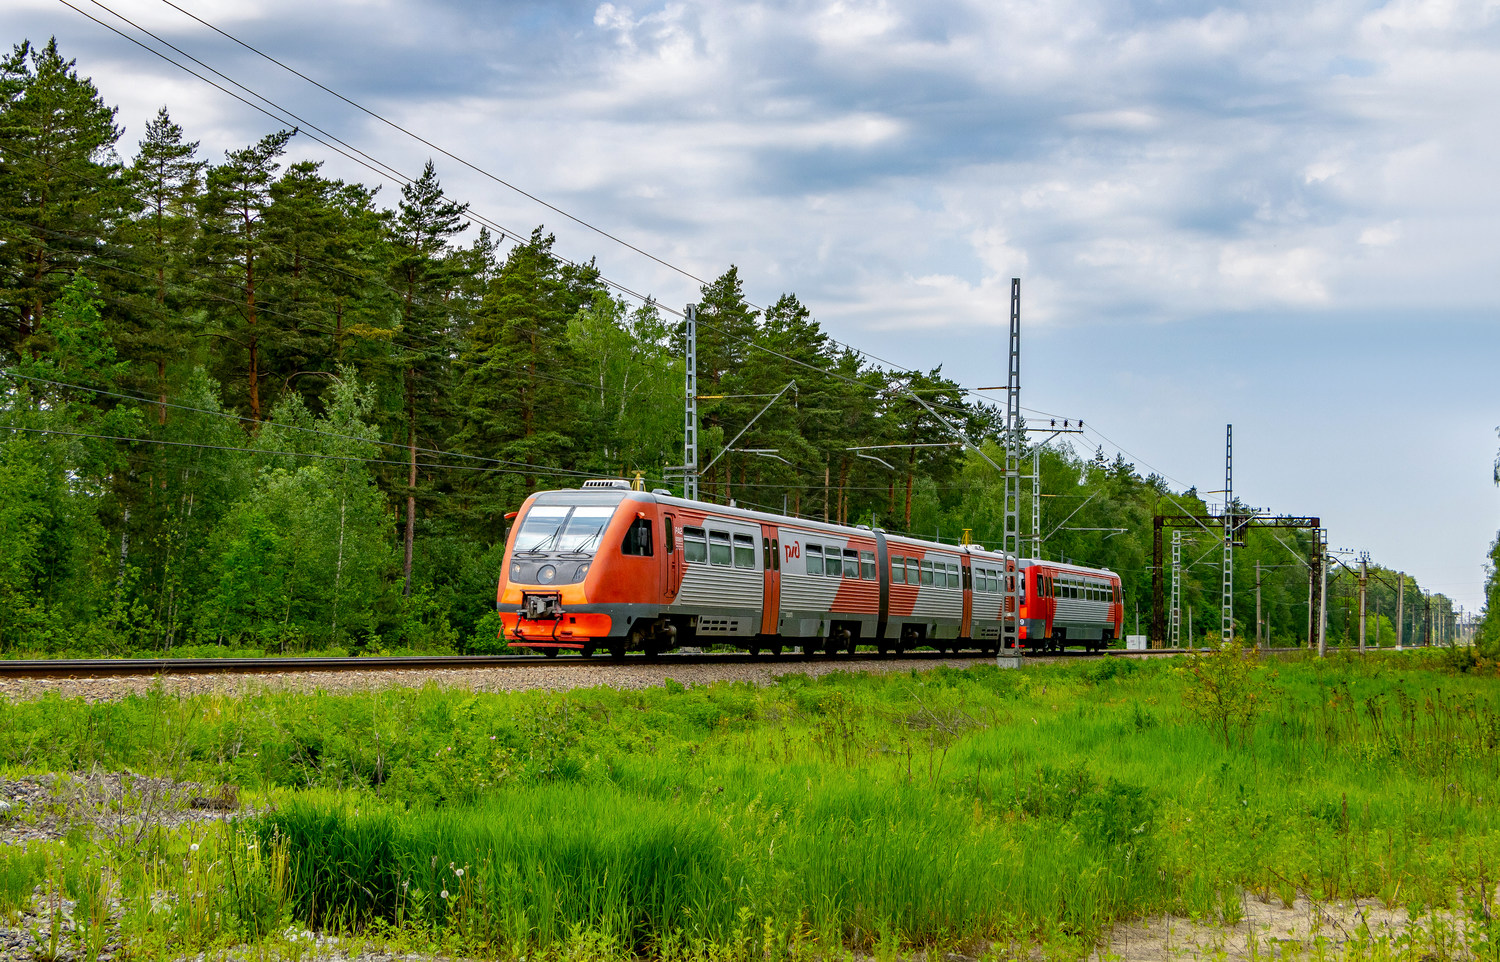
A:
[406,179]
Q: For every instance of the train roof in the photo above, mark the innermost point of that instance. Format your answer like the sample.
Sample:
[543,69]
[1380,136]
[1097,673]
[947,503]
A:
[611,494]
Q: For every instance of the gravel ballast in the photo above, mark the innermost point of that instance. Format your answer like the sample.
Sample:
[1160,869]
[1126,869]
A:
[508,678]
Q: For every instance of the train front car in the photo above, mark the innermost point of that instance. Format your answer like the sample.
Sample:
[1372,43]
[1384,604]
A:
[585,570]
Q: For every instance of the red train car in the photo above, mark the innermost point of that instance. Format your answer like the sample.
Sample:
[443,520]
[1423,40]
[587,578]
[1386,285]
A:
[608,568]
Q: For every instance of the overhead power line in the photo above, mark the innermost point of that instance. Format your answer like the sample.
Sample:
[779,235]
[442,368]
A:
[490,175]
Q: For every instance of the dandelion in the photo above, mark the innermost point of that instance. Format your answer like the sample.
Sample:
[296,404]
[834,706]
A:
[444,893]
[459,872]
[193,847]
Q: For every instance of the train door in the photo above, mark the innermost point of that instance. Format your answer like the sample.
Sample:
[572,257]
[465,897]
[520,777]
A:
[672,557]
[966,627]
[770,616]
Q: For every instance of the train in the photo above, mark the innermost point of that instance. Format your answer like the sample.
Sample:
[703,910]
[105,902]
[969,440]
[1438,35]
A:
[606,568]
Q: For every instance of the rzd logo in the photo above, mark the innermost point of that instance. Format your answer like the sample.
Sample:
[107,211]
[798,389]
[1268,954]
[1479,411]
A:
[793,550]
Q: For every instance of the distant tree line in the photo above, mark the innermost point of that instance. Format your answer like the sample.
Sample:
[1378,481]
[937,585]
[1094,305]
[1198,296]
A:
[243,403]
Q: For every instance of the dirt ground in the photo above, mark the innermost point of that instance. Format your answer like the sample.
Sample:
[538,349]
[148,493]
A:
[1304,930]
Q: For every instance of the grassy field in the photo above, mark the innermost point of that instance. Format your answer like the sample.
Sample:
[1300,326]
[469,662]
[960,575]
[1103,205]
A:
[982,811]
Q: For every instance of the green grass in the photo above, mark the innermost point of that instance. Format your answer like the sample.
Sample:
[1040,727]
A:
[873,813]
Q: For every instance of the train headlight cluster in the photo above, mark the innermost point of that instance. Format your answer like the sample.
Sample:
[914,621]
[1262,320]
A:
[545,574]
[583,569]
[515,571]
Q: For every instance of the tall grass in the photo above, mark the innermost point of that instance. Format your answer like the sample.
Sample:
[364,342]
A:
[878,813]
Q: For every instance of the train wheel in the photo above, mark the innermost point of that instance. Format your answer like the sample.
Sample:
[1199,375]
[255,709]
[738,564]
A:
[549,652]
[588,651]
[776,650]
[754,651]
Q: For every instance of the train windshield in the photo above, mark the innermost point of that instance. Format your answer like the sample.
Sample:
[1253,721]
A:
[562,528]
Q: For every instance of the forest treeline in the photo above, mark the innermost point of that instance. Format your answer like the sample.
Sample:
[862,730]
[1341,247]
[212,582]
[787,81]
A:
[246,404]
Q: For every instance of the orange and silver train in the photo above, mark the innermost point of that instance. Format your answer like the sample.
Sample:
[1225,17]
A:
[606,568]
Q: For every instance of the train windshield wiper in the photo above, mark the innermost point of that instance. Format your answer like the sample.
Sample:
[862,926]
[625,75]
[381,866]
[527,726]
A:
[581,549]
[543,545]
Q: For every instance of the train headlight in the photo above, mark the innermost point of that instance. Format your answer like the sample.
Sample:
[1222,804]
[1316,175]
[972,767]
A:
[545,574]
[515,571]
[583,569]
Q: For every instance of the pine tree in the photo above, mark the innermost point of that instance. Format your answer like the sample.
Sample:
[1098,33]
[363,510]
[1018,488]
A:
[233,208]
[520,375]
[62,193]
[426,271]
[726,328]
[166,178]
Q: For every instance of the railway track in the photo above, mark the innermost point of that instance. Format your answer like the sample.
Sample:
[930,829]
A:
[123,667]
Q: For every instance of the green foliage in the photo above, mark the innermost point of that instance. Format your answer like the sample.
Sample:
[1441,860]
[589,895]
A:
[916,810]
[1227,691]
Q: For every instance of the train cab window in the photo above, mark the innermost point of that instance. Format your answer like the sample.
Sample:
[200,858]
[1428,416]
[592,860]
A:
[898,570]
[638,539]
[744,551]
[926,572]
[1021,587]
[694,546]
[867,565]
[833,563]
[718,548]
[851,563]
[814,559]
[668,536]
[1115,594]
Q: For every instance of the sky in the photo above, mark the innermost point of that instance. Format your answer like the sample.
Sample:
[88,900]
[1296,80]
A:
[1278,215]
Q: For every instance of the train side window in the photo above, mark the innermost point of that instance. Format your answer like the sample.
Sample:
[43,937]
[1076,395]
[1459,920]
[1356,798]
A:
[775,554]
[867,565]
[638,539]
[926,572]
[898,570]
[667,535]
[766,556]
[814,559]
[718,548]
[694,546]
[833,563]
[851,563]
[955,580]
[1021,587]
[744,551]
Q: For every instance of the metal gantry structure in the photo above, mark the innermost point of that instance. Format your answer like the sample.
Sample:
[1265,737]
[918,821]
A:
[1226,613]
[1236,525]
[690,422]
[1010,622]
[1176,636]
